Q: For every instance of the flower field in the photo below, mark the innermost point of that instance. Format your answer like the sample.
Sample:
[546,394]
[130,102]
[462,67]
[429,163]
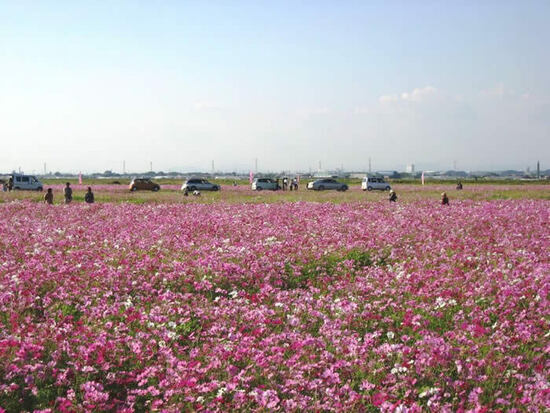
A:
[170,193]
[289,306]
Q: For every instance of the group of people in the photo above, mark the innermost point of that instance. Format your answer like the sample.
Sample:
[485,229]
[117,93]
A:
[444,197]
[194,193]
[8,186]
[68,195]
[291,184]
[89,196]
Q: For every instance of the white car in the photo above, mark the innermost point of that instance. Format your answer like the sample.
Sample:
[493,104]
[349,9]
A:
[26,182]
[373,182]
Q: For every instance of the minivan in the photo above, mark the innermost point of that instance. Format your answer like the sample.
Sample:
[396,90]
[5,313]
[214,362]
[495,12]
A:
[265,183]
[199,184]
[374,182]
[26,182]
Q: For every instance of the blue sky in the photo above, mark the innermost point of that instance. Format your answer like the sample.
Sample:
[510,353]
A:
[86,85]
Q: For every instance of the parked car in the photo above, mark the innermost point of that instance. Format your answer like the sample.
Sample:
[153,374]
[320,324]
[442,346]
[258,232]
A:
[373,182]
[26,182]
[198,184]
[327,183]
[265,183]
[146,184]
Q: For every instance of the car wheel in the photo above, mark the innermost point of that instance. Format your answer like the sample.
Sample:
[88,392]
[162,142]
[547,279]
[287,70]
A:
[369,188]
[387,188]
[156,188]
[193,188]
[321,188]
[39,189]
[216,188]
[17,188]
[259,188]
[133,189]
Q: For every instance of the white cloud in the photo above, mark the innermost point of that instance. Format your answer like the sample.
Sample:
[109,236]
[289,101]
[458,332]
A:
[501,92]
[362,110]
[417,95]
[207,105]
[387,99]
[316,111]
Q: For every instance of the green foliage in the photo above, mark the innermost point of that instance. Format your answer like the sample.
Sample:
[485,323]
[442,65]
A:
[360,258]
[70,310]
[190,326]
[23,399]
[318,272]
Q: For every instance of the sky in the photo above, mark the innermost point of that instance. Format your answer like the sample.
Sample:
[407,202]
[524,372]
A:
[291,85]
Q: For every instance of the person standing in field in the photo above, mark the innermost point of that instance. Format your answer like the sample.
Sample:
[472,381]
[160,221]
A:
[89,196]
[459,186]
[444,199]
[10,183]
[393,196]
[48,197]
[68,193]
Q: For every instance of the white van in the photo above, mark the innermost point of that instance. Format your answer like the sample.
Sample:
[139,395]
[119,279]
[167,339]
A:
[265,183]
[374,182]
[26,182]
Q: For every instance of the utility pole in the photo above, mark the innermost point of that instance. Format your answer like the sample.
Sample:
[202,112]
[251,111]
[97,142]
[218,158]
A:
[45,173]
[212,167]
[538,169]
[256,165]
[151,166]
[370,169]
[123,167]
[320,169]
[454,165]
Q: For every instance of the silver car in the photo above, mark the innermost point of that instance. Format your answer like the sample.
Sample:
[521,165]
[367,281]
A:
[373,182]
[265,183]
[327,183]
[198,184]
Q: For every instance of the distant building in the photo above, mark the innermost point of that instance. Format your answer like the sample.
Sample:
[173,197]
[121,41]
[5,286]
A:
[410,168]
[389,174]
